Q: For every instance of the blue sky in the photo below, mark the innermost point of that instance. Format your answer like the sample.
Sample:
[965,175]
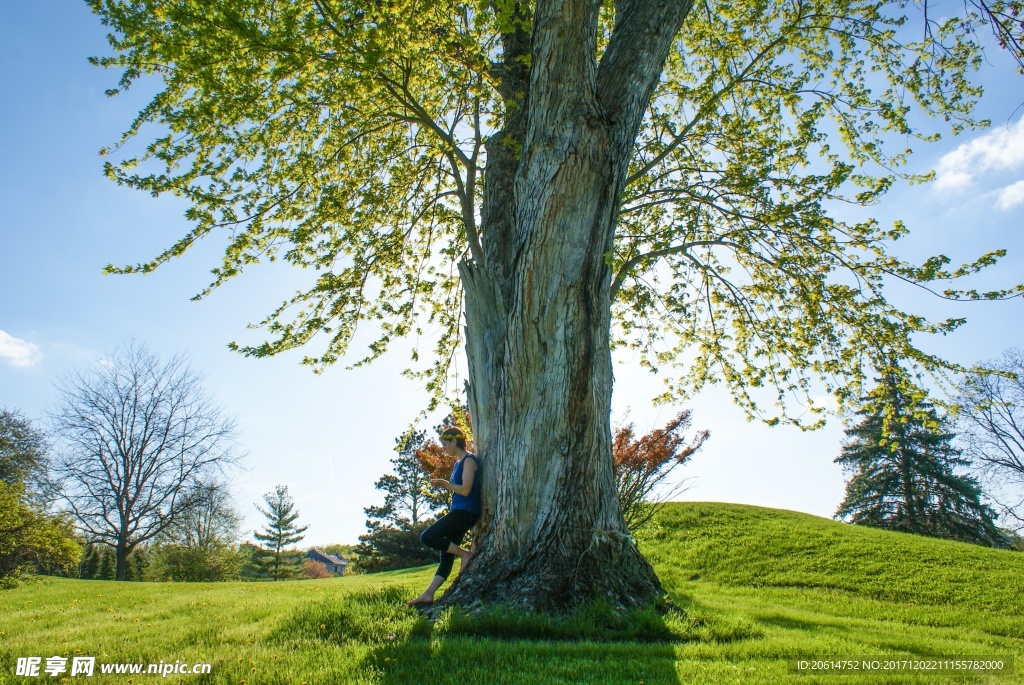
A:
[330,437]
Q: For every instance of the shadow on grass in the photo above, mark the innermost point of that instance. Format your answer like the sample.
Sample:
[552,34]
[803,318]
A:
[592,644]
[781,621]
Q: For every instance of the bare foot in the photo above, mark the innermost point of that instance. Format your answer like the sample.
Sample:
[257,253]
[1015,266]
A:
[465,562]
[422,599]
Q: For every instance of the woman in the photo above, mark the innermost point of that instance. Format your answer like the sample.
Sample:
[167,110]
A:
[445,535]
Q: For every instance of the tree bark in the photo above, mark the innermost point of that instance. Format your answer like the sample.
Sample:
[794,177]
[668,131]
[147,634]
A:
[538,314]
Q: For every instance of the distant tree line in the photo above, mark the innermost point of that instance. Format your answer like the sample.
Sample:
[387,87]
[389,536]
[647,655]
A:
[134,486]
[205,546]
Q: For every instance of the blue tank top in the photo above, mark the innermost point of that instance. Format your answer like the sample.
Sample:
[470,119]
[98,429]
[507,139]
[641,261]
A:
[470,502]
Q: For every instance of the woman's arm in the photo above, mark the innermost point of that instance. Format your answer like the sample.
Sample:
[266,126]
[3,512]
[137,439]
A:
[468,473]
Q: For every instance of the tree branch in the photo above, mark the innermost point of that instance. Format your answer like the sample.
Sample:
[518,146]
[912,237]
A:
[624,270]
[633,61]
[703,111]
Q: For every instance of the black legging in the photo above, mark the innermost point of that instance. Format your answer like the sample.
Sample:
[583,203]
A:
[449,528]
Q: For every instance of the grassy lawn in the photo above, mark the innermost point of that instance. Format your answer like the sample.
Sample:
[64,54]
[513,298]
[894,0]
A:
[761,588]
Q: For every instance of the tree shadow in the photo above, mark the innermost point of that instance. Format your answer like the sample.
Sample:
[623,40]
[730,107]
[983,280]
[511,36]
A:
[790,623]
[405,647]
[590,644]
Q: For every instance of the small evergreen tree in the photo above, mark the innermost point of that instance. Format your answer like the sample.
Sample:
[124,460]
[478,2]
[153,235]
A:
[99,562]
[902,462]
[387,548]
[108,564]
[138,564]
[89,567]
[251,569]
[274,560]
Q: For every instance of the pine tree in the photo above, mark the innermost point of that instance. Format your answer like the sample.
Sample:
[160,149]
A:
[410,502]
[409,497]
[138,562]
[90,564]
[274,559]
[387,548]
[107,564]
[902,462]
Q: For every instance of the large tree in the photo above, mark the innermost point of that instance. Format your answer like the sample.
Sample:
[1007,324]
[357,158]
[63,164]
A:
[202,545]
[211,523]
[537,171]
[138,440]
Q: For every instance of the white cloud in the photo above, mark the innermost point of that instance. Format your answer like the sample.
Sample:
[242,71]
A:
[1011,196]
[952,180]
[18,353]
[1001,149]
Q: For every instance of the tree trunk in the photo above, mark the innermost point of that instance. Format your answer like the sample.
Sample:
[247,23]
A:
[121,556]
[551,531]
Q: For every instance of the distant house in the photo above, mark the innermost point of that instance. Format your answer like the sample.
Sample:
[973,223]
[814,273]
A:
[335,565]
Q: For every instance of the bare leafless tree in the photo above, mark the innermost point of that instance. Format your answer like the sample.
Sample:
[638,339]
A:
[138,441]
[992,425]
[212,523]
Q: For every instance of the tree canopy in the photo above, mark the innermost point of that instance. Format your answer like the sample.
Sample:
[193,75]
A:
[24,455]
[31,539]
[359,140]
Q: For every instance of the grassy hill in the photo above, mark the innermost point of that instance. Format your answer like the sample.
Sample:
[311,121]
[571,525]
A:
[761,589]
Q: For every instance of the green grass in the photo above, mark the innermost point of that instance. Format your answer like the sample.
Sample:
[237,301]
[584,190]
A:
[760,588]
